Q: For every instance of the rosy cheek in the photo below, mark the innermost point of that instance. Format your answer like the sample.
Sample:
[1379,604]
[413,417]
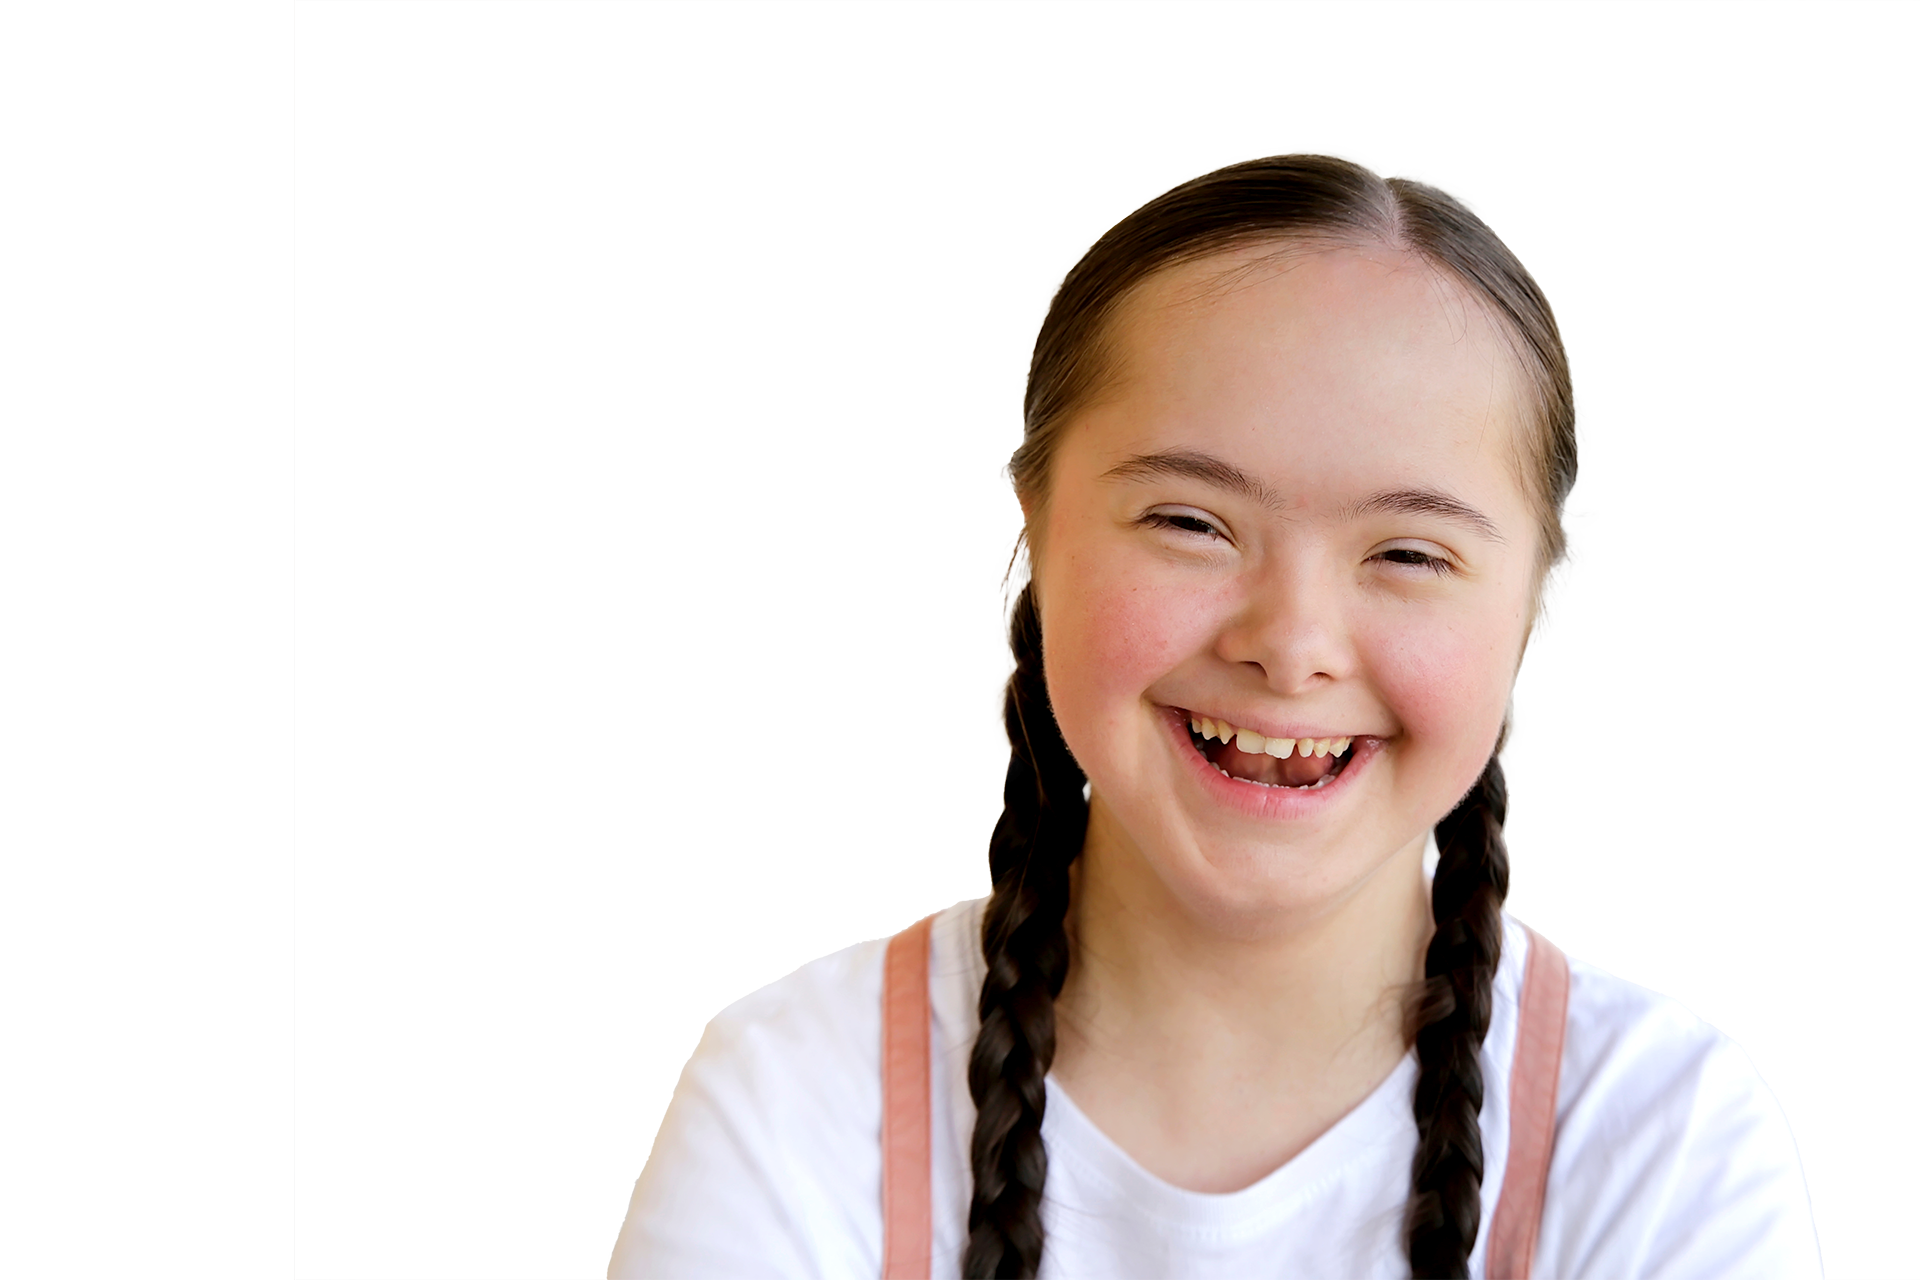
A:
[1448,686]
[1109,638]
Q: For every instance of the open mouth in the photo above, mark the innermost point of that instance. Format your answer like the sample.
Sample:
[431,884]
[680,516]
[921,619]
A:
[1293,764]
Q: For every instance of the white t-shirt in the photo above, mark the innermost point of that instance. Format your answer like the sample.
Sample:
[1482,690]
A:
[1671,1158]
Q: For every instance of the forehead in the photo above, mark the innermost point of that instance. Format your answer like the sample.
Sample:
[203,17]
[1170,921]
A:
[1316,363]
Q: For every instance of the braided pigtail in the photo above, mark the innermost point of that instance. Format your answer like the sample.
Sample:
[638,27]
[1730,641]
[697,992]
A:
[1025,941]
[1450,1021]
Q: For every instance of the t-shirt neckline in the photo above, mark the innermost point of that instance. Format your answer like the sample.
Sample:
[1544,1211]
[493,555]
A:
[1368,1129]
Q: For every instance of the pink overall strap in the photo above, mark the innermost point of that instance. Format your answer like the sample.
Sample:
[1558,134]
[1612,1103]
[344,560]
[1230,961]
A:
[906,1102]
[1533,1097]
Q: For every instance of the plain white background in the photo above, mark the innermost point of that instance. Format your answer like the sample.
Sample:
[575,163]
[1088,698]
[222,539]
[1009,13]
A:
[656,368]
[146,542]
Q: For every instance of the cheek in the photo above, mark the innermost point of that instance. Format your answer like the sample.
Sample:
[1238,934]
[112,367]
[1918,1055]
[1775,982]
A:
[1448,684]
[1109,637]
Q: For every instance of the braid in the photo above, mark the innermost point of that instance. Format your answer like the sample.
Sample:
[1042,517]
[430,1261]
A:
[1025,941]
[1450,1021]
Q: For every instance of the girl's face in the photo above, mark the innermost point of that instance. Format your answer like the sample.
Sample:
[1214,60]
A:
[1296,509]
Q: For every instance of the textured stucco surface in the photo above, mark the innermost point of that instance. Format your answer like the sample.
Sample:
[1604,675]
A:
[655,361]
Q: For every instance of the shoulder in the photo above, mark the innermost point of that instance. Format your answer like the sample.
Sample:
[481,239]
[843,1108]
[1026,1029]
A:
[794,1068]
[1641,1073]
[817,1027]
[763,1161]
[1671,1156]
[768,1160]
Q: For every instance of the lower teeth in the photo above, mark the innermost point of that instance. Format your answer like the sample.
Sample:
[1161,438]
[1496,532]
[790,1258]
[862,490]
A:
[1275,786]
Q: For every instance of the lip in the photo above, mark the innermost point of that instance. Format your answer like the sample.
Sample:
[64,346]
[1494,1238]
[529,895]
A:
[1282,804]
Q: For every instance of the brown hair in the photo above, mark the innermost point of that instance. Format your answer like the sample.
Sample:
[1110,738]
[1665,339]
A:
[1282,200]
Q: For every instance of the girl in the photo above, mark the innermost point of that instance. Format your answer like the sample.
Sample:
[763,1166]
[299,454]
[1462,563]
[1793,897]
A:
[1297,443]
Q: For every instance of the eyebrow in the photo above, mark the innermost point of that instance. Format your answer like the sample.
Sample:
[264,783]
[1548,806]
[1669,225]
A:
[1427,502]
[1193,465]
[1221,474]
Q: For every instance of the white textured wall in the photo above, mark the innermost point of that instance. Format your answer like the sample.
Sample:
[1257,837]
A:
[658,366]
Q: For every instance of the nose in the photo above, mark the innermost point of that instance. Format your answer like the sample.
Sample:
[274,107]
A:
[1290,625]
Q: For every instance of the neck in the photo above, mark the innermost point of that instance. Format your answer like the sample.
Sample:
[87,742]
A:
[1174,1024]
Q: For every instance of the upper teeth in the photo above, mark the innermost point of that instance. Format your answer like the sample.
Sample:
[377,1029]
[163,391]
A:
[1279,748]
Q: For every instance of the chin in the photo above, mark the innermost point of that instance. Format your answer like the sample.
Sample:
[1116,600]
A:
[1255,892]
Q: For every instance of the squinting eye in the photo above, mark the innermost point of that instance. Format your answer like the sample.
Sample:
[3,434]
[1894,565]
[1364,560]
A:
[1181,521]
[1416,558]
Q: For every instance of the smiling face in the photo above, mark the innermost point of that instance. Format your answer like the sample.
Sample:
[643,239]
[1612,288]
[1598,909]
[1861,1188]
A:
[1297,510]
